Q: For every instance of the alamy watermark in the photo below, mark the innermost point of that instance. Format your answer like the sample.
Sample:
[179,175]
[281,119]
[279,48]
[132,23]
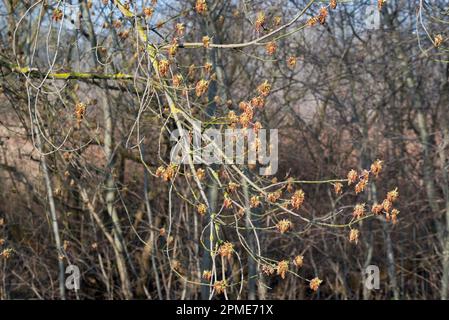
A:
[72,282]
[372,277]
[230,146]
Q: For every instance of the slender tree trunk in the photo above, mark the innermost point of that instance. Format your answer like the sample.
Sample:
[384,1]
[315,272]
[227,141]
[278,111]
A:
[444,159]
[109,153]
[51,203]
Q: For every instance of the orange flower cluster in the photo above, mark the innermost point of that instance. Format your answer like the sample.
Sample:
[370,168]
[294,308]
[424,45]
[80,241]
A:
[312,21]
[264,89]
[227,202]
[354,236]
[359,211]
[260,20]
[380,4]
[176,80]
[173,49]
[323,15]
[284,225]
[232,186]
[148,12]
[166,174]
[298,261]
[207,275]
[206,42]
[274,196]
[333,4]
[315,283]
[393,195]
[297,199]
[6,253]
[57,15]
[267,269]
[352,177]
[277,21]
[179,29]
[338,188]
[258,102]
[201,6]
[202,209]
[80,111]
[376,167]
[201,174]
[254,202]
[438,40]
[226,250]
[363,182]
[271,48]
[164,67]
[377,208]
[201,87]
[247,116]
[387,206]
[220,286]
[291,61]
[233,119]
[282,268]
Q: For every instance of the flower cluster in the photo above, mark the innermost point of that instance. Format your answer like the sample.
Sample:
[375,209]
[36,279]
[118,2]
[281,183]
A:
[227,202]
[80,111]
[254,202]
[148,12]
[179,29]
[57,15]
[284,225]
[259,21]
[359,211]
[354,236]
[6,253]
[206,41]
[338,188]
[438,40]
[164,67]
[282,268]
[315,283]
[207,275]
[297,199]
[271,48]
[298,261]
[201,6]
[264,88]
[274,196]
[291,61]
[176,80]
[167,173]
[220,286]
[267,269]
[333,4]
[201,87]
[202,209]
[226,250]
